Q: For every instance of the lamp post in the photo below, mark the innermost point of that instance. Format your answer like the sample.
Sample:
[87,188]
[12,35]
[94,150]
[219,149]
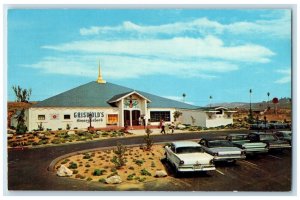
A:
[250,110]
[265,122]
[90,118]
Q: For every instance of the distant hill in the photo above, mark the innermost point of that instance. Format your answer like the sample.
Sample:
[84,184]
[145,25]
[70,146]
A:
[284,103]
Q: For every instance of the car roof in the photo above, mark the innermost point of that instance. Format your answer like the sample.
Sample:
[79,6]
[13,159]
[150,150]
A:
[185,144]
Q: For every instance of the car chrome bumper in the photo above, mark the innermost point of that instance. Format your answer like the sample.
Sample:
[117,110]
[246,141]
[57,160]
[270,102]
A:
[195,169]
[229,158]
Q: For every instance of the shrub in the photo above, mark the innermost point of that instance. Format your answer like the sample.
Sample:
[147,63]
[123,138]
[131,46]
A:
[144,172]
[130,177]
[55,141]
[102,180]
[98,172]
[148,139]
[119,158]
[80,176]
[86,156]
[75,171]
[139,162]
[113,174]
[87,165]
[65,161]
[104,134]
[131,168]
[89,179]
[152,164]
[73,165]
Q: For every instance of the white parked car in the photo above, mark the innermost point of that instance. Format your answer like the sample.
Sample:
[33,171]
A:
[188,156]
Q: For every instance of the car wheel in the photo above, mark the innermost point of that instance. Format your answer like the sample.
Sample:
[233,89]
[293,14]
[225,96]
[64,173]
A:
[177,173]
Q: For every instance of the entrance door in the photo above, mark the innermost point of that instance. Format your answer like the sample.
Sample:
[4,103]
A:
[126,117]
[135,117]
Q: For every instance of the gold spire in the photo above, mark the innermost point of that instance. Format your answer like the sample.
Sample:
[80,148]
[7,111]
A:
[100,79]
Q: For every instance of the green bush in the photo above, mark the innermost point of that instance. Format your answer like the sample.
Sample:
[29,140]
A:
[102,180]
[131,168]
[86,156]
[73,165]
[130,177]
[75,171]
[89,179]
[55,141]
[144,172]
[99,172]
[139,162]
[65,161]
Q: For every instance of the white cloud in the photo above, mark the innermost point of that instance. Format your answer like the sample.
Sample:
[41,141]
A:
[286,76]
[278,27]
[122,67]
[178,98]
[176,48]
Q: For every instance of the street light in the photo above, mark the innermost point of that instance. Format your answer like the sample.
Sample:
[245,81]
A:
[90,118]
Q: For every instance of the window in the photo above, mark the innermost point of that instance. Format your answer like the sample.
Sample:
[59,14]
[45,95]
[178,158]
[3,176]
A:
[41,117]
[67,116]
[112,119]
[156,116]
[219,112]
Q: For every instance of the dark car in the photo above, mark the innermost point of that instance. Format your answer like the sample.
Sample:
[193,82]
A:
[222,150]
[270,139]
[250,147]
[284,135]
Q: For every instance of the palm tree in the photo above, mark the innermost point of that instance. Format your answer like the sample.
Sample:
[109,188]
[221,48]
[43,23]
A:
[183,96]
[268,100]
[250,110]
[210,98]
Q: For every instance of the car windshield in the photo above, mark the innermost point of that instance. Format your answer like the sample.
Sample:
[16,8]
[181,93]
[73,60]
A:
[181,150]
[265,137]
[213,144]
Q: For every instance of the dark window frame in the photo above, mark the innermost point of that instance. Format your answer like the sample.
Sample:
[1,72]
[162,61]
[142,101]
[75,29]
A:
[41,117]
[156,116]
[67,115]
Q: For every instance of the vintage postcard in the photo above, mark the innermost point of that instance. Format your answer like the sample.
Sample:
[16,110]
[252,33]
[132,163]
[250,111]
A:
[106,99]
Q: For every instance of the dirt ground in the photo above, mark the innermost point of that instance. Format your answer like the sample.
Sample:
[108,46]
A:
[141,165]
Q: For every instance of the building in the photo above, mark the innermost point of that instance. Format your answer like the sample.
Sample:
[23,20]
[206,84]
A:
[102,105]
[207,116]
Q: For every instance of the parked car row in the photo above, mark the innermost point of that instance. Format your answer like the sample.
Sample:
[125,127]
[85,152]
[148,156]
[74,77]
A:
[189,156]
[269,125]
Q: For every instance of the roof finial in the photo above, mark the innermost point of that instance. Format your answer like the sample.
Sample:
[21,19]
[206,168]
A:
[100,79]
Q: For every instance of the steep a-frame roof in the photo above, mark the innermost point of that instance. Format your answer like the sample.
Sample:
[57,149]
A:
[94,94]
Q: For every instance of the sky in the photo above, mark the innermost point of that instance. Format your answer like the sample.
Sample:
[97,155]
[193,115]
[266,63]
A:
[167,52]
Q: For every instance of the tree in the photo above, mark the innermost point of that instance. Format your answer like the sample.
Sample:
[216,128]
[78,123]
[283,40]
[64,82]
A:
[250,118]
[176,114]
[119,159]
[148,139]
[21,127]
[22,95]
[210,98]
[183,97]
[268,94]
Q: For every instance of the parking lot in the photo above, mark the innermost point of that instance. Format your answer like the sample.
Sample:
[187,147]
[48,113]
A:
[266,172]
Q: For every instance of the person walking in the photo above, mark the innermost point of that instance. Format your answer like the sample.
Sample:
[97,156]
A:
[163,127]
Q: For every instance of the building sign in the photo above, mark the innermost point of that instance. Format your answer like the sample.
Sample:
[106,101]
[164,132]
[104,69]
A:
[84,116]
[131,103]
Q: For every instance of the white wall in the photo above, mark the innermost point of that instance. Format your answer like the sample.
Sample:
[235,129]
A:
[218,120]
[54,117]
[203,120]
[185,118]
